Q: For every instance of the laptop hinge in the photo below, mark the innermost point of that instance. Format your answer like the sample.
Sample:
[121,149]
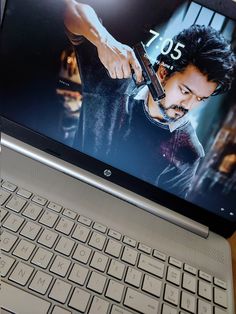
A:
[102,184]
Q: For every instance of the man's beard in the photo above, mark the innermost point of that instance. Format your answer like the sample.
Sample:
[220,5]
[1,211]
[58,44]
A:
[168,119]
[163,109]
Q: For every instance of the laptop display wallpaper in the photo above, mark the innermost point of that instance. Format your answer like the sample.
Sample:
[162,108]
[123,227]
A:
[177,132]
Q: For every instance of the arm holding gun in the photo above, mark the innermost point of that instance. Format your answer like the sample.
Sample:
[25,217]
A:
[118,59]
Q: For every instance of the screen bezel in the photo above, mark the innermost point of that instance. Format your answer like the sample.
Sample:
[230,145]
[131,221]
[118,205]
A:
[216,223]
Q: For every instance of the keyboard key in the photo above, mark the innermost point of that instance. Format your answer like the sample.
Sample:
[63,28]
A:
[151,265]
[97,241]
[48,238]
[48,218]
[13,222]
[159,255]
[7,241]
[188,302]
[40,282]
[205,290]
[171,295]
[65,226]
[81,233]
[96,282]
[190,269]
[69,213]
[98,306]
[99,261]
[173,275]
[166,309]
[32,211]
[99,227]
[30,230]
[78,274]
[175,262]
[129,241]
[189,282]
[129,255]
[220,283]
[144,248]
[115,291]
[57,208]
[204,307]
[60,310]
[39,200]
[118,310]
[205,276]
[21,273]
[113,248]
[3,213]
[65,246]
[218,311]
[114,234]
[60,291]
[82,253]
[42,258]
[16,203]
[116,269]
[152,285]
[6,263]
[140,302]
[9,186]
[133,277]
[60,266]
[4,195]
[220,297]
[84,220]
[24,249]
[79,300]
[15,304]
[24,193]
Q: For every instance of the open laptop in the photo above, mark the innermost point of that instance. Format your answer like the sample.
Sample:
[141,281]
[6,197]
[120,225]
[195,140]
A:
[84,231]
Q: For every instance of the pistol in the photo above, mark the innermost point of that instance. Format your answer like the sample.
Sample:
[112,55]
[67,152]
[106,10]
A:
[149,75]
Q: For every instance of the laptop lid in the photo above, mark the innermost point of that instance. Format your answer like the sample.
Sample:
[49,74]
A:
[181,157]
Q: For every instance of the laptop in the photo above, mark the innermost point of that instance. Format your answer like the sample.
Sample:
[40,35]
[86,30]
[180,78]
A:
[118,156]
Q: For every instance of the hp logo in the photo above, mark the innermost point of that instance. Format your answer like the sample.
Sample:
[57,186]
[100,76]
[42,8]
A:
[107,173]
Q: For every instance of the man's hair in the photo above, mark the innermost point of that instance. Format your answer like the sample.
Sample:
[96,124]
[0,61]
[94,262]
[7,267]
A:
[206,49]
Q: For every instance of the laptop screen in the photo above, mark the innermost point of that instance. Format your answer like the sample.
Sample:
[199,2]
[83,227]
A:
[155,98]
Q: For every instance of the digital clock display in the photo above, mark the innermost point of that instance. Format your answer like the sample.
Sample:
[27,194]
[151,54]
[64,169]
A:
[166,45]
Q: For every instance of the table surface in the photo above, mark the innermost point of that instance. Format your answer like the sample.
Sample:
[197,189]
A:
[232,242]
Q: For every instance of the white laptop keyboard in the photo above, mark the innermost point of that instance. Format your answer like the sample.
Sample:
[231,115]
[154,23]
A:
[56,261]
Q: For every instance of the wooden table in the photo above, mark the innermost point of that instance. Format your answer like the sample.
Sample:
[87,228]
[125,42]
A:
[232,242]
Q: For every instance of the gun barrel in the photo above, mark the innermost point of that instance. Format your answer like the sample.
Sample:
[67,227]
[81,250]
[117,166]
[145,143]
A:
[149,75]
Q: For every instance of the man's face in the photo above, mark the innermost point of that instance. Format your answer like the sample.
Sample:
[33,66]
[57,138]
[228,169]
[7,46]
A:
[184,91]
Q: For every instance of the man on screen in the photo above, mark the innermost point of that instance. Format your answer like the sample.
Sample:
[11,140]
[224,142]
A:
[152,140]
